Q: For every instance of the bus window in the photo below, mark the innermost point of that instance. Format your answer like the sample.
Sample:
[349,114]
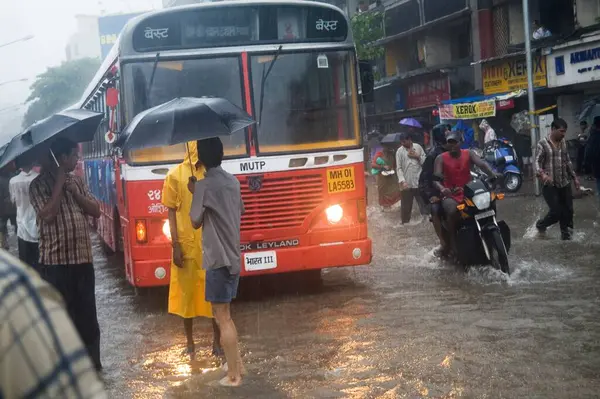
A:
[308,102]
[218,77]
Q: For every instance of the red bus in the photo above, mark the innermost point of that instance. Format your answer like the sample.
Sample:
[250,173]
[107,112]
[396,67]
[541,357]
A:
[290,64]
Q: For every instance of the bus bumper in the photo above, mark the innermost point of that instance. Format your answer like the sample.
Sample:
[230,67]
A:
[154,273]
[342,254]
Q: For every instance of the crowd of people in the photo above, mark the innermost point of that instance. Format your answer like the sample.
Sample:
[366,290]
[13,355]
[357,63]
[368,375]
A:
[49,330]
[405,172]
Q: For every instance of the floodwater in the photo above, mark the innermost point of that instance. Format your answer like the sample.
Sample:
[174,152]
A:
[408,326]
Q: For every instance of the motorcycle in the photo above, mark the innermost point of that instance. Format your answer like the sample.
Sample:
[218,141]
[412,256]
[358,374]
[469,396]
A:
[502,157]
[480,238]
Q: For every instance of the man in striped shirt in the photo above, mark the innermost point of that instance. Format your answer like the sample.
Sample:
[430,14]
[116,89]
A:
[62,203]
[555,170]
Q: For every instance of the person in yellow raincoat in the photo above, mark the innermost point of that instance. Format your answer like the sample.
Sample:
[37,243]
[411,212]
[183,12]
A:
[186,289]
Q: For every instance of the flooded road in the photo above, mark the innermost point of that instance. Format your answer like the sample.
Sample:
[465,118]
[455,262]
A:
[408,326]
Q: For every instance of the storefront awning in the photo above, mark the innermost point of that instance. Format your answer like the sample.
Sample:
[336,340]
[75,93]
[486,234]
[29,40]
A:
[495,97]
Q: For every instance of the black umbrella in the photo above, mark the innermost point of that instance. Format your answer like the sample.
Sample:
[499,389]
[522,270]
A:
[182,120]
[77,125]
[392,138]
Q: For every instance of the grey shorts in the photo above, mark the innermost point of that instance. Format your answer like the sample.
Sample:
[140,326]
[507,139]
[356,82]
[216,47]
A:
[221,286]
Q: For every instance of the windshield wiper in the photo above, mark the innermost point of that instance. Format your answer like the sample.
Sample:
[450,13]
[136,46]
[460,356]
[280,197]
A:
[263,81]
[148,91]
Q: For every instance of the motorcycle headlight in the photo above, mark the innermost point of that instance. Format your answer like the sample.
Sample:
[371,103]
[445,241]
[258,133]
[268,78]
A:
[482,201]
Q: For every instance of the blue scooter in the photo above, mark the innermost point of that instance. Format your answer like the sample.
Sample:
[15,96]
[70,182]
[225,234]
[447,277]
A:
[500,154]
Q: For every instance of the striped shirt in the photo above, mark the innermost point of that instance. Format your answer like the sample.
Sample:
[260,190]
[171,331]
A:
[41,355]
[66,239]
[555,162]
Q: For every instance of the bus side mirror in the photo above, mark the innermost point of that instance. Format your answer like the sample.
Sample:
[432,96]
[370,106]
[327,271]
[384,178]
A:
[367,81]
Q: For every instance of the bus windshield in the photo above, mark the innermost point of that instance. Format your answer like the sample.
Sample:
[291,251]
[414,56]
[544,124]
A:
[219,77]
[309,101]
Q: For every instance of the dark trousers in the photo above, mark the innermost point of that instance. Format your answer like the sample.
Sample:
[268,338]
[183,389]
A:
[77,285]
[4,223]
[406,205]
[29,253]
[560,202]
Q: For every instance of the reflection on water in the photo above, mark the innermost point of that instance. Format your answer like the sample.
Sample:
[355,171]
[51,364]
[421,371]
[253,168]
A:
[408,326]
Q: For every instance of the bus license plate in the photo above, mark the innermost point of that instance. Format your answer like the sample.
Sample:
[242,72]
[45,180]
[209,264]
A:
[260,261]
[341,180]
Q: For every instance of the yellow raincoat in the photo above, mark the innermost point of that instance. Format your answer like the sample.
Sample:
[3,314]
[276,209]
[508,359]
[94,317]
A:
[186,289]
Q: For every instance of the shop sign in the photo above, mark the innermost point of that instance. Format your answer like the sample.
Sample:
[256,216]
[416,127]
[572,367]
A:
[502,105]
[476,110]
[573,65]
[511,75]
[428,92]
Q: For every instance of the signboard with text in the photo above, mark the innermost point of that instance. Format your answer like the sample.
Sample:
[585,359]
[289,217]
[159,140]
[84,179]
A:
[427,92]
[238,25]
[575,64]
[109,28]
[476,110]
[511,75]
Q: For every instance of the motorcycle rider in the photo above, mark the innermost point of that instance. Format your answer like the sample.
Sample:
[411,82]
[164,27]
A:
[452,171]
[429,192]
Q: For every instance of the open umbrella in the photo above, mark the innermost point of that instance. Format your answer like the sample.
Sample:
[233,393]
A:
[182,120]
[410,122]
[392,138]
[77,125]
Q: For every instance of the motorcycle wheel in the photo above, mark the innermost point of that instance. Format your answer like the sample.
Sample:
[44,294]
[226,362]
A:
[498,254]
[513,182]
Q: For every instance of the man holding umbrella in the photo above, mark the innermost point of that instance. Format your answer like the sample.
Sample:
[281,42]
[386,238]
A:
[62,203]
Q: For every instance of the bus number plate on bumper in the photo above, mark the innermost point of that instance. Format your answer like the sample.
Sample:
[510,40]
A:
[260,260]
[341,180]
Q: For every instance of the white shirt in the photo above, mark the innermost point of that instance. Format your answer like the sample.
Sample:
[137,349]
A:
[409,169]
[490,134]
[541,33]
[26,217]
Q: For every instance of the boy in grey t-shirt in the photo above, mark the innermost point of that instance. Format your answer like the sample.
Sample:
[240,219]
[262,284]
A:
[217,207]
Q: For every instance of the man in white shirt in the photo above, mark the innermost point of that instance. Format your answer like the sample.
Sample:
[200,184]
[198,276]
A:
[27,232]
[409,163]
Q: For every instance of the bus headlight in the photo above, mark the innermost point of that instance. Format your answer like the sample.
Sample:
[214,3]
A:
[482,201]
[166,229]
[334,214]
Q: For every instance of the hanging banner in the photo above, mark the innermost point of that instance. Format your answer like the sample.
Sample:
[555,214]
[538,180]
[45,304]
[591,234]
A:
[511,75]
[481,109]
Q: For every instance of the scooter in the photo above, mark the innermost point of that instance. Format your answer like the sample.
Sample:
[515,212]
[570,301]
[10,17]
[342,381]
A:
[501,156]
[480,238]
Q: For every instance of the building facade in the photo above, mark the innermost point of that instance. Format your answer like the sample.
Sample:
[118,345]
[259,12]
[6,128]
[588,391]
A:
[84,43]
[462,51]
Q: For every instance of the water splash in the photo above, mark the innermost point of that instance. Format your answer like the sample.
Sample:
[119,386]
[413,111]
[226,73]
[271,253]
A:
[522,272]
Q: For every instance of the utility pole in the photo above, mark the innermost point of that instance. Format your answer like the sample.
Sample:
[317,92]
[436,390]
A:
[530,87]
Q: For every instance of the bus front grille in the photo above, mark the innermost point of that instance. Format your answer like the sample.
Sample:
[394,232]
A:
[281,202]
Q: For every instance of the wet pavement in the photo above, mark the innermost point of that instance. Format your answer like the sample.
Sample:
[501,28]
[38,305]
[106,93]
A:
[408,326]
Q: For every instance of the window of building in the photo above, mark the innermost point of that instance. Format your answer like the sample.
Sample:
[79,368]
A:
[402,18]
